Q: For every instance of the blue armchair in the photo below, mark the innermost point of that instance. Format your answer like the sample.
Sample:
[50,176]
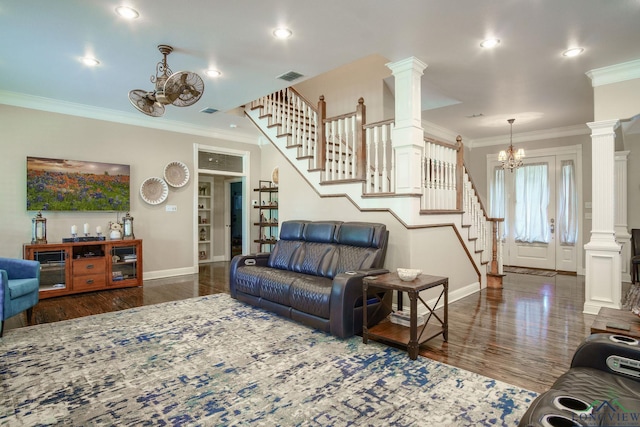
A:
[19,287]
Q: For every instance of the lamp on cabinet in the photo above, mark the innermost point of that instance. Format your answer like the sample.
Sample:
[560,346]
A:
[127,222]
[38,229]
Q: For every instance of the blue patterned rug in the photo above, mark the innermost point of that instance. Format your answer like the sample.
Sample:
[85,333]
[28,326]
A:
[215,361]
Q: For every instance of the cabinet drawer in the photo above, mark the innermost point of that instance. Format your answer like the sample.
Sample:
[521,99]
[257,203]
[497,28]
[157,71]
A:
[89,282]
[89,266]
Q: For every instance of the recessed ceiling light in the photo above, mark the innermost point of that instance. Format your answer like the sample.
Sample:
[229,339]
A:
[213,73]
[574,51]
[89,61]
[489,43]
[282,33]
[233,125]
[127,12]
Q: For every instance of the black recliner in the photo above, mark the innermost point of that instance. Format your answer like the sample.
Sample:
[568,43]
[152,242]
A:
[602,387]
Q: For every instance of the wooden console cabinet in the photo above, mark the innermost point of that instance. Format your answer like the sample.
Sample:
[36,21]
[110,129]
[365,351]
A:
[75,267]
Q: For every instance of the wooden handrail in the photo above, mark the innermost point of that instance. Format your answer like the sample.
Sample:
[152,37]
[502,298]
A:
[484,211]
[306,101]
[380,123]
[444,144]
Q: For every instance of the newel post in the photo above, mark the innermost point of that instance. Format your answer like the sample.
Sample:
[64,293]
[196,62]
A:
[407,135]
[459,172]
[495,274]
[321,153]
[361,117]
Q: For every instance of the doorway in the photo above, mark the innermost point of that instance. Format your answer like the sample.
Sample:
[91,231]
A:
[540,202]
[230,213]
[234,215]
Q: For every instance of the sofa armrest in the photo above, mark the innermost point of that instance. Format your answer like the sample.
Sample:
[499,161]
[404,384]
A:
[345,291]
[17,268]
[259,259]
[594,351]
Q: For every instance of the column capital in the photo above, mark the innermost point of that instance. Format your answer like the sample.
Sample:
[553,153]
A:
[603,127]
[411,63]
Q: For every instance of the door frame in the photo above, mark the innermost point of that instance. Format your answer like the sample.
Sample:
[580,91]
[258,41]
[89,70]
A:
[227,216]
[564,152]
[246,211]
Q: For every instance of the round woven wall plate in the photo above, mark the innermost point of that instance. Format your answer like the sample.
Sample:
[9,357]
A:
[176,174]
[154,190]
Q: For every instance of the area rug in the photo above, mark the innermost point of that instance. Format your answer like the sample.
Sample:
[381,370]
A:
[534,271]
[215,361]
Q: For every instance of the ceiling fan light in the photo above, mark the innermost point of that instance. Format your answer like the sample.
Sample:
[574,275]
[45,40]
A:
[127,12]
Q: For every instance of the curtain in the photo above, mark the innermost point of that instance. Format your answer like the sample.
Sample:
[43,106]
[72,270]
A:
[567,212]
[497,199]
[496,194]
[532,199]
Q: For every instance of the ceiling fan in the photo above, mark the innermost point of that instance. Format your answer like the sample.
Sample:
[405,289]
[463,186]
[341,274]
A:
[181,89]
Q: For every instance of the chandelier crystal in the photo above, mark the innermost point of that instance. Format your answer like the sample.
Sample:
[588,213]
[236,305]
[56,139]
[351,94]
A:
[511,159]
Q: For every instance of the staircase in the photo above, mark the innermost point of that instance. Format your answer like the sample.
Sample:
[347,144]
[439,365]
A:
[344,155]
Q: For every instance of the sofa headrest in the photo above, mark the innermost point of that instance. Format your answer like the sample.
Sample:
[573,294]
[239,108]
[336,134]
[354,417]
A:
[292,230]
[364,234]
[320,232]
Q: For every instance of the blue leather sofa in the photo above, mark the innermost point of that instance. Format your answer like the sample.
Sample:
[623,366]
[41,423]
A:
[314,275]
[19,288]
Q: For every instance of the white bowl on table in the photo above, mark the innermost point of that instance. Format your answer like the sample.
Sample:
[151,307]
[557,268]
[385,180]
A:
[408,274]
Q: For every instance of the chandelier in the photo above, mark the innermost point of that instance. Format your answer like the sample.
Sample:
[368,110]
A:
[511,159]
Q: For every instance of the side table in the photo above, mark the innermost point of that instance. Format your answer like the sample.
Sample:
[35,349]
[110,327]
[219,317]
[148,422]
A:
[408,336]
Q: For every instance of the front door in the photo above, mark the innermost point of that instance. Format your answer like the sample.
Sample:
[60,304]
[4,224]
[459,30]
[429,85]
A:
[531,208]
[540,207]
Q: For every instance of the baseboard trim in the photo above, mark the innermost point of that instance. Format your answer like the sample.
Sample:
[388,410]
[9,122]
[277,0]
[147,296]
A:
[161,274]
[453,296]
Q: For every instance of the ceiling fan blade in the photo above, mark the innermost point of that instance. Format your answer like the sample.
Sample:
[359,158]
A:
[184,88]
[145,102]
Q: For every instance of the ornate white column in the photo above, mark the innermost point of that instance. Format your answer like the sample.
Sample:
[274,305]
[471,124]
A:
[620,223]
[603,281]
[408,135]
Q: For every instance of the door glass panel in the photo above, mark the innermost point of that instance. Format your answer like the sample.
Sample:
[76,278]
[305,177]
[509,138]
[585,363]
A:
[532,200]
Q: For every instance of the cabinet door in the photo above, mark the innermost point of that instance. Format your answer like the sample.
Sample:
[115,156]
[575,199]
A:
[53,269]
[125,264]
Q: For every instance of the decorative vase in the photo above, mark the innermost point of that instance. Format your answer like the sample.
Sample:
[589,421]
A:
[115,235]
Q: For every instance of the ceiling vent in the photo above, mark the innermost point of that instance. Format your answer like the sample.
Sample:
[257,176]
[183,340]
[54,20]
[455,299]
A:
[289,76]
[208,110]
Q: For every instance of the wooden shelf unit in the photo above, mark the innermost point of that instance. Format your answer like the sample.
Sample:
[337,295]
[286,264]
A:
[205,218]
[76,267]
[268,222]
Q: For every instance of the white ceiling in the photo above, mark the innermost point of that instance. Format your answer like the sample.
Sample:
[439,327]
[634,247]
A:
[41,42]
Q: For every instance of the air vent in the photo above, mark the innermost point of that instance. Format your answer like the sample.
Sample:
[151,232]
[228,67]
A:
[208,110]
[289,76]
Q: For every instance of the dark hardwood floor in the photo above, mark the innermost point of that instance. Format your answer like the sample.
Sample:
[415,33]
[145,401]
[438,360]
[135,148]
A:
[524,334]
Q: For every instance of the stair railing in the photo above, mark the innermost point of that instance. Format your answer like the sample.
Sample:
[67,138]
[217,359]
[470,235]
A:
[345,148]
[442,175]
[380,165]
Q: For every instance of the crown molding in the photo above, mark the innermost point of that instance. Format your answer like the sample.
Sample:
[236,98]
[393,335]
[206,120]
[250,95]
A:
[104,114]
[614,73]
[532,136]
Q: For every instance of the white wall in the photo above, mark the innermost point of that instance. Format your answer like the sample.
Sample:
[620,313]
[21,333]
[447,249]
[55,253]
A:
[436,251]
[343,87]
[168,239]
[617,100]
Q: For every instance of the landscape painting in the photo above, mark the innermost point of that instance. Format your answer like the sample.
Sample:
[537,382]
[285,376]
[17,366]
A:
[73,185]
